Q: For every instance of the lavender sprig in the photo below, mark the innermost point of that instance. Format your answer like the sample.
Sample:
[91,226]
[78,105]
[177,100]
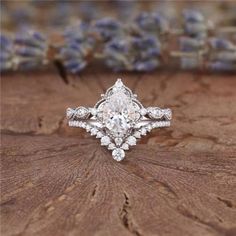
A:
[137,46]
[108,28]
[78,45]
[133,53]
[152,23]
[222,55]
[30,49]
[7,53]
[194,40]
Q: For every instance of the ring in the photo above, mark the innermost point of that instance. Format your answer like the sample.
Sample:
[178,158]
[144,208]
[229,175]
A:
[118,119]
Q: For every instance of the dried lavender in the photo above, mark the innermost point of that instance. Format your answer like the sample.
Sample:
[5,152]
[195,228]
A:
[223,55]
[108,28]
[78,45]
[30,49]
[133,53]
[139,45]
[152,23]
[193,42]
[7,53]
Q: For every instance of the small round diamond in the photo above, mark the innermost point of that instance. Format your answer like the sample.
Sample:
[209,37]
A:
[118,154]
[125,146]
[143,111]
[143,131]
[99,134]
[88,128]
[111,146]
[131,140]
[94,131]
[137,134]
[105,141]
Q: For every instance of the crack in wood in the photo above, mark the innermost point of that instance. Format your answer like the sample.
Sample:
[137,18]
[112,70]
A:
[9,202]
[94,192]
[212,225]
[228,203]
[126,217]
[40,122]
[61,71]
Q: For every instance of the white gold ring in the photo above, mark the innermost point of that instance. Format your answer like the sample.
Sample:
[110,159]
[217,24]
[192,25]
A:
[118,119]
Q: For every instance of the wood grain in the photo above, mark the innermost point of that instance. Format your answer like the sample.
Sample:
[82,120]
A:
[57,180]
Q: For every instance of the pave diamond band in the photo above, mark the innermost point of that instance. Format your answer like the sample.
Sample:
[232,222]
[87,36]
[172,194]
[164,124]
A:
[118,119]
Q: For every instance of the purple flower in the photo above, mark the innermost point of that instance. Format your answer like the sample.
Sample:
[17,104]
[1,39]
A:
[152,22]
[108,28]
[78,45]
[117,54]
[73,58]
[222,44]
[193,16]
[133,53]
[148,46]
[6,56]
[195,25]
[223,55]
[30,48]
[146,66]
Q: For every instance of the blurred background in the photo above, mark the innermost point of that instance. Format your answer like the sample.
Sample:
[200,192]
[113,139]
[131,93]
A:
[123,35]
[57,13]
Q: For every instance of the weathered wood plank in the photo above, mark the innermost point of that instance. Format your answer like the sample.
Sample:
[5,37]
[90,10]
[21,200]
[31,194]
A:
[57,180]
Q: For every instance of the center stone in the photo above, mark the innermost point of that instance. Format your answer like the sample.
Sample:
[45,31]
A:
[119,112]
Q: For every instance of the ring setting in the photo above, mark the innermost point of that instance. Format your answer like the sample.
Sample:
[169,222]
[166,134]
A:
[118,119]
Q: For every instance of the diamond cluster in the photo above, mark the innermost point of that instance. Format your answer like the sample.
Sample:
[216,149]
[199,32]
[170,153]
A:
[119,119]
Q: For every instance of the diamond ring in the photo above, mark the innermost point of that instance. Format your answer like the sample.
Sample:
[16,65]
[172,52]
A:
[118,119]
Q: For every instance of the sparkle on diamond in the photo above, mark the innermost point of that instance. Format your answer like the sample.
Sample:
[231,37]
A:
[119,111]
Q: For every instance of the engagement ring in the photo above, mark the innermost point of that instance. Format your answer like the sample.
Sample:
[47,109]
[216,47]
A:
[119,119]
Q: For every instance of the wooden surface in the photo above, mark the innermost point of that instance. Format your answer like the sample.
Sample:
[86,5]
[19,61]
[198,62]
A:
[178,181]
